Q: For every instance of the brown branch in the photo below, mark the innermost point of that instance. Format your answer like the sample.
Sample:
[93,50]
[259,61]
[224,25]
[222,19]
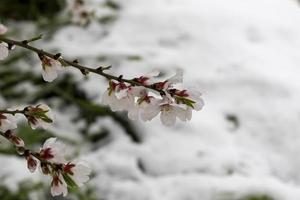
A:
[75,64]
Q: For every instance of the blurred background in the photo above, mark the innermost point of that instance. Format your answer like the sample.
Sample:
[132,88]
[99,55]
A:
[242,55]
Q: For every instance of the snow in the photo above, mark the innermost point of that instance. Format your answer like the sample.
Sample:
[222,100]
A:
[243,56]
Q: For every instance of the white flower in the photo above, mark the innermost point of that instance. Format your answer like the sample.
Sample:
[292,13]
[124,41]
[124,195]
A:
[58,186]
[39,116]
[3,50]
[196,97]
[72,174]
[147,79]
[53,151]
[120,97]
[149,109]
[78,171]
[191,98]
[7,122]
[170,111]
[51,68]
[3,29]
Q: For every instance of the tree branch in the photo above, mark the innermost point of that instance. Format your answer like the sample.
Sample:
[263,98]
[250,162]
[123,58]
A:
[75,64]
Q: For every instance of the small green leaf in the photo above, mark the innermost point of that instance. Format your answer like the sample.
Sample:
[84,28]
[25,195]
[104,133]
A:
[185,101]
[70,182]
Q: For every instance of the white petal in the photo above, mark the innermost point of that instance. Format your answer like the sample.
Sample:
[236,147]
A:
[151,110]
[133,113]
[153,73]
[81,173]
[8,124]
[121,93]
[60,189]
[199,104]
[3,51]
[177,78]
[181,114]
[168,117]
[49,73]
[49,142]
[57,65]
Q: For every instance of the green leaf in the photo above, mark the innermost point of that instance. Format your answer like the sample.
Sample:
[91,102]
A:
[185,101]
[70,182]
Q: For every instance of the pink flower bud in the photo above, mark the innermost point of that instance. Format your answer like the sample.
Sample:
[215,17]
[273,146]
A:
[31,163]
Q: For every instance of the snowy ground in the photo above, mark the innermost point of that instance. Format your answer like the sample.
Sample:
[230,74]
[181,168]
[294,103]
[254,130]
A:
[244,57]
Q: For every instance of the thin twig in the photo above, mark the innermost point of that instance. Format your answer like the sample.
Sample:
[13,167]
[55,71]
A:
[75,64]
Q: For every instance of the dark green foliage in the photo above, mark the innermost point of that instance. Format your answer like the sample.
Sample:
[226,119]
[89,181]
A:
[257,197]
[112,4]
[30,9]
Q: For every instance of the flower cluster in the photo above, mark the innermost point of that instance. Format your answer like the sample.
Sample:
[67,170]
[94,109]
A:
[145,102]
[52,162]
[51,157]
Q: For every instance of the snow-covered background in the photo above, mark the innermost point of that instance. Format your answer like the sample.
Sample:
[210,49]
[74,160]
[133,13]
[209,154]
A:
[244,57]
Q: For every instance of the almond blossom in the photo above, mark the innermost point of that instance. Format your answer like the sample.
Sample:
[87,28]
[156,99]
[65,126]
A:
[168,99]
[64,174]
[169,112]
[39,116]
[120,97]
[51,68]
[59,186]
[7,122]
[53,151]
[78,171]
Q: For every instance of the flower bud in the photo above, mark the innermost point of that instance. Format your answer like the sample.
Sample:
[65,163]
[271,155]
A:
[45,168]
[31,163]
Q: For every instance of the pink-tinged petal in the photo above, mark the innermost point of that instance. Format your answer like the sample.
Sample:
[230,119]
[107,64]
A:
[122,93]
[8,123]
[137,91]
[81,173]
[59,186]
[49,73]
[57,65]
[150,111]
[57,150]
[3,51]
